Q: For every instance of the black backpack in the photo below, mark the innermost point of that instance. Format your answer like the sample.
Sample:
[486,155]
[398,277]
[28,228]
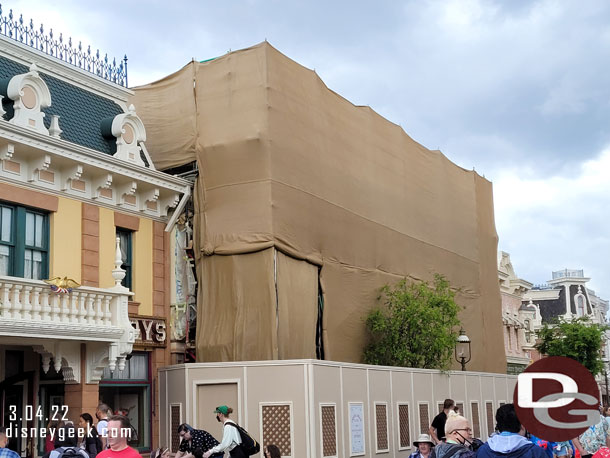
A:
[248,444]
[69,452]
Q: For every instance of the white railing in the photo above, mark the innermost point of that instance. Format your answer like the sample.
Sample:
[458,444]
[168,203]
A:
[32,308]
[33,300]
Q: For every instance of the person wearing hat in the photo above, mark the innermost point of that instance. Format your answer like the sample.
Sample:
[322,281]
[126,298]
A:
[231,440]
[424,447]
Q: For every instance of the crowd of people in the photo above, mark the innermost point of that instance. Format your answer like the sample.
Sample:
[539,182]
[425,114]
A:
[109,437]
[450,436]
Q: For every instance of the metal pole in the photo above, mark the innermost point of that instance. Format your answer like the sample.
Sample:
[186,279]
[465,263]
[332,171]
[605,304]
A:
[463,363]
[606,376]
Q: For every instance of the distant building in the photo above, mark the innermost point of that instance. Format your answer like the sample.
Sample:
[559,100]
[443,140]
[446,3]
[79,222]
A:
[567,296]
[520,318]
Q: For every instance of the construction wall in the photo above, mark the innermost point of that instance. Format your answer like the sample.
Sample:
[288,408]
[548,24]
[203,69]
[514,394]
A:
[304,406]
[347,198]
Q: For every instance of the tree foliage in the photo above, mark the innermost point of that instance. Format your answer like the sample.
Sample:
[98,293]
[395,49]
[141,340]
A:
[579,339]
[416,327]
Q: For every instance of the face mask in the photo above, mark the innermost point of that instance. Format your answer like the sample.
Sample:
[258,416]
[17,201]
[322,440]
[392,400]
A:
[466,442]
[217,418]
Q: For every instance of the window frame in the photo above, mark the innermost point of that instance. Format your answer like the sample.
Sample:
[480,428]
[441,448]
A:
[17,245]
[127,265]
[147,386]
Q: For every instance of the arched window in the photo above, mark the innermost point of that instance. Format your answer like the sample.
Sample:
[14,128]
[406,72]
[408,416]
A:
[580,304]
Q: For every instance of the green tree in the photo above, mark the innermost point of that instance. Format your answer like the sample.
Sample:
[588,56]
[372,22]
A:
[416,327]
[579,339]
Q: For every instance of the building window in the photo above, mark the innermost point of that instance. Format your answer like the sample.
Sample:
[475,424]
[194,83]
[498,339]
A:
[125,237]
[580,304]
[528,331]
[128,393]
[24,242]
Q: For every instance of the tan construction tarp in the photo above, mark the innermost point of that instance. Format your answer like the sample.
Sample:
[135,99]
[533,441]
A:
[288,166]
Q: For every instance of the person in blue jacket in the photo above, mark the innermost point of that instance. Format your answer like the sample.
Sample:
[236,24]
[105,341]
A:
[510,441]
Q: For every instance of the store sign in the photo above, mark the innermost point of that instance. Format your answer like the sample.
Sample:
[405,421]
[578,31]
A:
[149,331]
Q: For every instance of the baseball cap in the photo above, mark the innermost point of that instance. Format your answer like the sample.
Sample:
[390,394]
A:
[222,409]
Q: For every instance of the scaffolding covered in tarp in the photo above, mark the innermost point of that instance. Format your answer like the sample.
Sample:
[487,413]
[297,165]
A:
[304,199]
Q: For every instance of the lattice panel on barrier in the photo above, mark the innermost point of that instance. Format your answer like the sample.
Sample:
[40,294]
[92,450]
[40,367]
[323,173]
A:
[276,427]
[424,419]
[381,419]
[403,419]
[476,425]
[173,431]
[489,410]
[329,431]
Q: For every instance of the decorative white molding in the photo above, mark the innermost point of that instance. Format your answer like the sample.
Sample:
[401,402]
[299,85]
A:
[30,94]
[90,157]
[129,131]
[56,324]
[66,358]
[150,196]
[97,361]
[118,273]
[73,173]
[169,203]
[126,190]
[42,163]
[46,161]
[99,183]
[54,129]
[7,151]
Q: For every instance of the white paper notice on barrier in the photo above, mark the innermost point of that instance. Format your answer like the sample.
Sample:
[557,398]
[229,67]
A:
[356,428]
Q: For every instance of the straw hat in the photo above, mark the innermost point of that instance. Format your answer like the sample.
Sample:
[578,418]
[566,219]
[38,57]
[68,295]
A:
[423,438]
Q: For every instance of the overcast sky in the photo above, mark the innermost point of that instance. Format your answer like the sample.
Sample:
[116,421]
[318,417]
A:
[519,90]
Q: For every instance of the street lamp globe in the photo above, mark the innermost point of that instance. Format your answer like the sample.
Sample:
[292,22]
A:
[462,349]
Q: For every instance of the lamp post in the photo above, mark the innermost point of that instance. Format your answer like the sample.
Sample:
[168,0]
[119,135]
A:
[462,349]
[606,377]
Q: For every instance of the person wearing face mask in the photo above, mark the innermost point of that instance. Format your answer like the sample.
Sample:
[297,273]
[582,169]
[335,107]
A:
[231,439]
[510,442]
[458,434]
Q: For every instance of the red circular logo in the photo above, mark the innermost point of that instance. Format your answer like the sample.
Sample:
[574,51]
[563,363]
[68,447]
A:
[557,399]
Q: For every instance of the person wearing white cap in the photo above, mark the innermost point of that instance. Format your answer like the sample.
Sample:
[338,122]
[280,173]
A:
[424,447]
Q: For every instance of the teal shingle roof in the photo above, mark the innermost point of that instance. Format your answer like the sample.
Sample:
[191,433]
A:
[80,112]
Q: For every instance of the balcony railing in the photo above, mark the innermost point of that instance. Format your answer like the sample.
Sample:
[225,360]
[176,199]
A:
[568,273]
[30,307]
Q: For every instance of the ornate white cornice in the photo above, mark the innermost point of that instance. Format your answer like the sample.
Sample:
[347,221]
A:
[69,150]
[60,167]
[54,67]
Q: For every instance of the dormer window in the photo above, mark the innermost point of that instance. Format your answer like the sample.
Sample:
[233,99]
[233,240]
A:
[30,95]
[128,129]
[581,302]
